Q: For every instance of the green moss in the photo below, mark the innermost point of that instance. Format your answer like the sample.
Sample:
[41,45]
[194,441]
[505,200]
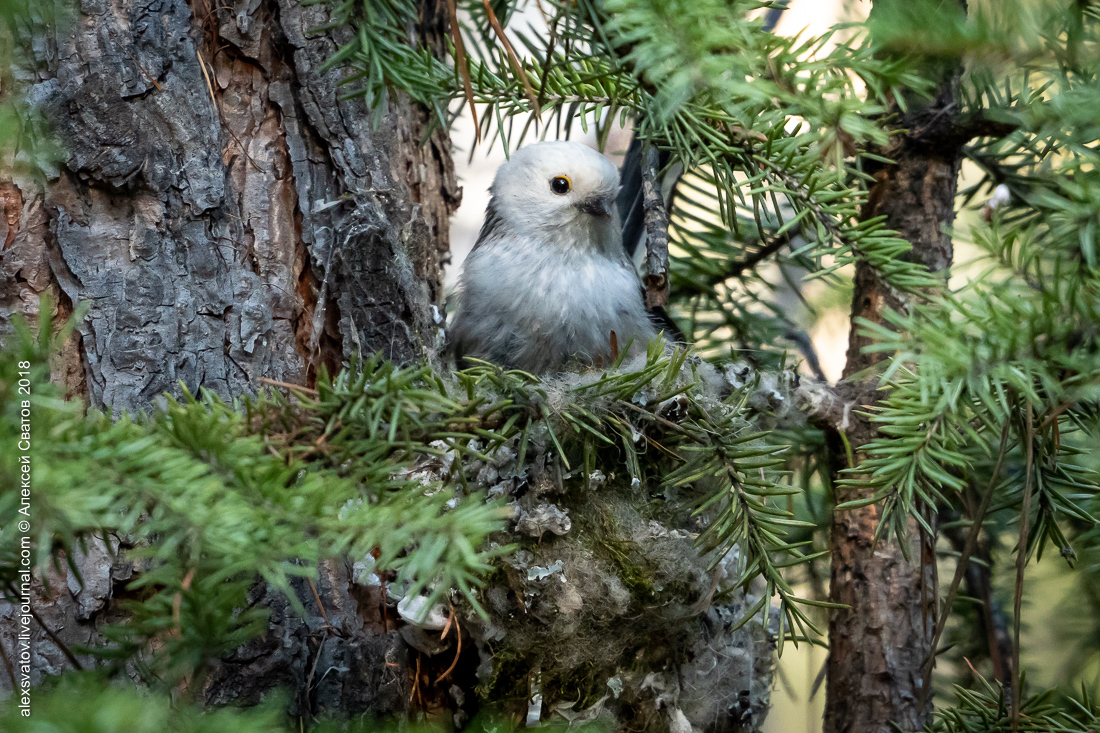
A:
[585,684]
[509,681]
[634,571]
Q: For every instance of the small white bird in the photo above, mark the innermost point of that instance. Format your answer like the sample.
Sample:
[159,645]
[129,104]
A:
[548,280]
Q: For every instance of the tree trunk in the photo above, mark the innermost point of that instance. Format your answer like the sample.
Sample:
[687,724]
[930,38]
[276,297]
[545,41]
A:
[878,644]
[226,218]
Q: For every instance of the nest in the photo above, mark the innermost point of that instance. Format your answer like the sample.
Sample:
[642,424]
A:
[602,607]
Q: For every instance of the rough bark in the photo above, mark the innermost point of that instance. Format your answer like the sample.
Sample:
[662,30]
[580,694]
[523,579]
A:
[878,644]
[225,217]
[656,233]
[223,213]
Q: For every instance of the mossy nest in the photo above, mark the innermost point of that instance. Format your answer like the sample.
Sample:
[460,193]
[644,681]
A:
[603,603]
[605,608]
[615,615]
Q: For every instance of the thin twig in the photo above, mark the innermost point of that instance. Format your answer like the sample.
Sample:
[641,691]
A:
[657,418]
[960,568]
[143,71]
[979,587]
[419,696]
[549,54]
[177,603]
[458,652]
[288,385]
[1055,413]
[512,58]
[1021,560]
[313,667]
[447,626]
[655,444]
[738,268]
[317,597]
[209,85]
[463,69]
[218,112]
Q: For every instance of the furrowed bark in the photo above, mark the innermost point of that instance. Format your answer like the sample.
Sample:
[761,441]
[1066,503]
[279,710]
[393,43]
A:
[878,644]
[226,217]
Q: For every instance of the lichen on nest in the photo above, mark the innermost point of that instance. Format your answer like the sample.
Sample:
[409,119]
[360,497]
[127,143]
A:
[634,575]
[624,595]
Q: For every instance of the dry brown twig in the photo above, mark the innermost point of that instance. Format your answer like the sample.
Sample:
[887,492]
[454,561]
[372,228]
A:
[458,651]
[516,65]
[1021,561]
[460,62]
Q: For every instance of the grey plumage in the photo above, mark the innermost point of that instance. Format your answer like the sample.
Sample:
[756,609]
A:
[548,280]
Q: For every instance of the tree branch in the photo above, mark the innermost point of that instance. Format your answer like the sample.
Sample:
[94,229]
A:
[656,232]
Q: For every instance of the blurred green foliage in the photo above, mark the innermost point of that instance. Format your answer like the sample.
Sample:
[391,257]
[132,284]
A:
[27,148]
[88,703]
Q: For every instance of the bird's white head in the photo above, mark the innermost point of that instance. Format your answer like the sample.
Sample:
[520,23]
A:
[560,189]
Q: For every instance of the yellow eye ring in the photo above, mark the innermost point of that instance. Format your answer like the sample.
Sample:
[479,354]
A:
[561,185]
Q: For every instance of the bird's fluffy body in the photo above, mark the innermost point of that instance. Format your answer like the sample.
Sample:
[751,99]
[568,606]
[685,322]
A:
[548,280]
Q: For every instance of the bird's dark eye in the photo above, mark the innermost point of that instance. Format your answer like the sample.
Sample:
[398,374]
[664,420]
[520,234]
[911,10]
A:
[560,185]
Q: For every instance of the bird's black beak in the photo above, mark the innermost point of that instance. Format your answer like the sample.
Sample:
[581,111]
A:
[596,206]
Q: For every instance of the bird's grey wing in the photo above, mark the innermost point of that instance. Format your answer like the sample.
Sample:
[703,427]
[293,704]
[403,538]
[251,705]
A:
[491,227]
[662,321]
[630,198]
[459,336]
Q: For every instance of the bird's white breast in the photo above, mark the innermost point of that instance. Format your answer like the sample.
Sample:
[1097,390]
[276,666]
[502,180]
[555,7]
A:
[535,307]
